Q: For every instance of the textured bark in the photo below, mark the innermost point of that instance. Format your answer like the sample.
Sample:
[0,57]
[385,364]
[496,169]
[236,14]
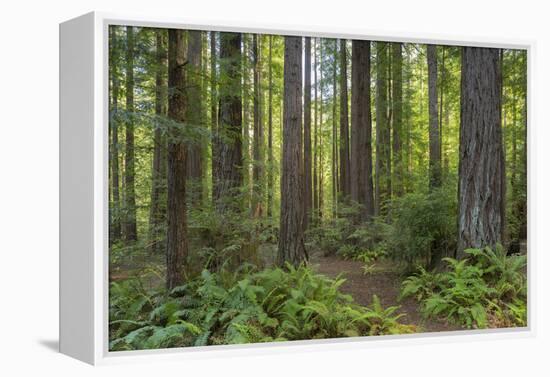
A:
[307,133]
[158,185]
[481,193]
[316,138]
[334,159]
[176,240]
[361,129]
[257,170]
[344,148]
[270,133]
[246,99]
[435,150]
[291,238]
[397,119]
[228,170]
[115,230]
[383,148]
[193,117]
[130,224]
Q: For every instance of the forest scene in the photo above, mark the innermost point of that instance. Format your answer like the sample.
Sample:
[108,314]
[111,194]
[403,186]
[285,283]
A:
[267,188]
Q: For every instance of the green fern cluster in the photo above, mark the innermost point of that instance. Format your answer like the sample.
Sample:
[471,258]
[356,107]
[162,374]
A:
[220,308]
[487,289]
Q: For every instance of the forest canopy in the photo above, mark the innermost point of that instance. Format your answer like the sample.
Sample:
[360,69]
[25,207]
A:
[270,188]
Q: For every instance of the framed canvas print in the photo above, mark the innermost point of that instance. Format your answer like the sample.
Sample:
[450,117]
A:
[227,188]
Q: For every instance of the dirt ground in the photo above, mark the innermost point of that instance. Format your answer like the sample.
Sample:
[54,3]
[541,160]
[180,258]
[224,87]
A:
[384,283]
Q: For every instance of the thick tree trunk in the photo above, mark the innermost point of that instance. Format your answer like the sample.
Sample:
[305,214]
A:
[257,170]
[158,186]
[130,224]
[291,238]
[481,167]
[176,240]
[435,156]
[334,160]
[228,171]
[397,119]
[307,133]
[193,117]
[361,129]
[246,99]
[115,216]
[213,108]
[345,181]
[316,138]
[383,148]
[270,133]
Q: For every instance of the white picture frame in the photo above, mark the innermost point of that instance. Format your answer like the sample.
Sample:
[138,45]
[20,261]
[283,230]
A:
[84,190]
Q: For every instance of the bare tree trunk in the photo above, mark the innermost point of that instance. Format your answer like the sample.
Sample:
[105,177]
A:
[193,117]
[307,133]
[345,180]
[213,108]
[228,171]
[115,216]
[397,118]
[130,224]
[383,148]
[270,133]
[481,195]
[176,240]
[291,239]
[361,129]
[435,157]
[158,187]
[316,138]
[334,160]
[246,97]
[257,171]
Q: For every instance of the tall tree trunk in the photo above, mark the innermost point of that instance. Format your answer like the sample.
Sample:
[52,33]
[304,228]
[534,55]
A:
[435,157]
[213,108]
[176,240]
[291,238]
[270,133]
[228,171]
[307,133]
[130,225]
[194,118]
[361,130]
[334,162]
[246,97]
[481,169]
[257,171]
[115,216]
[321,162]
[397,118]
[442,80]
[345,181]
[383,149]
[158,187]
[316,136]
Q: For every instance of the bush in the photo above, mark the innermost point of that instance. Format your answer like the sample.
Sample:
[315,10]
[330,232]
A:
[487,289]
[228,308]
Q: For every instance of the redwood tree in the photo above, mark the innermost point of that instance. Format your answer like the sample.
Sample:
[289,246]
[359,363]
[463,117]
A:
[291,237]
[481,191]
[345,180]
[435,150]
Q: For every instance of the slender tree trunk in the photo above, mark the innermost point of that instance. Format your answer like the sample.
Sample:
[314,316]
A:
[176,240]
[270,133]
[307,133]
[316,137]
[193,117]
[229,175]
[115,216]
[442,78]
[334,163]
[130,231]
[435,157]
[246,97]
[291,239]
[481,169]
[383,149]
[361,130]
[397,118]
[321,162]
[345,163]
[213,108]
[257,172]
[158,187]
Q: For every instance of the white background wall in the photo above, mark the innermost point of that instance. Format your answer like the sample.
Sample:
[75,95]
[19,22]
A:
[29,185]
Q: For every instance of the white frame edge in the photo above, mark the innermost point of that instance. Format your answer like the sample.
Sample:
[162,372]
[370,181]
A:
[84,213]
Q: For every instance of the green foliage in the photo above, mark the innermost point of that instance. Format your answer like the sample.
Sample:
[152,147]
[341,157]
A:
[487,289]
[229,308]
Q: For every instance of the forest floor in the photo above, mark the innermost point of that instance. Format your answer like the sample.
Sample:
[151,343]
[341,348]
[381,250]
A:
[385,282]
